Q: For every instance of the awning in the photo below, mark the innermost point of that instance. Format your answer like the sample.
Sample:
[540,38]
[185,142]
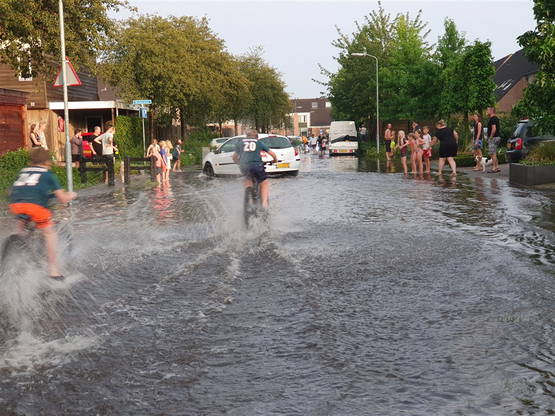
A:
[92,105]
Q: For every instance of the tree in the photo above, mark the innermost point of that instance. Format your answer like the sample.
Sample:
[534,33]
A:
[449,56]
[269,103]
[407,75]
[177,62]
[539,45]
[30,38]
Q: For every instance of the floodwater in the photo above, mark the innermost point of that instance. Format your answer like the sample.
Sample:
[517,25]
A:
[365,294]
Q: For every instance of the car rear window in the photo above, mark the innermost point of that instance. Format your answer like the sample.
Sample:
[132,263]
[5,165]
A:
[276,142]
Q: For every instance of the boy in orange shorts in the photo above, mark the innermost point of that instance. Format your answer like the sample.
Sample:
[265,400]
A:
[29,199]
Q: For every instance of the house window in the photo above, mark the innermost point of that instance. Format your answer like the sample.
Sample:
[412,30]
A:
[314,104]
[24,78]
[328,104]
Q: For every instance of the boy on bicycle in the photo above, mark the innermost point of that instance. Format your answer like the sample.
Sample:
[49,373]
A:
[29,196]
[247,156]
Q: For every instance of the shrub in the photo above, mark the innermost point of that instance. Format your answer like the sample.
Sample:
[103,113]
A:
[129,136]
[193,145]
[541,155]
[10,165]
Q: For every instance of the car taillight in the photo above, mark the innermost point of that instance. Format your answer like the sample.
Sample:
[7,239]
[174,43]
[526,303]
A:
[296,152]
[518,145]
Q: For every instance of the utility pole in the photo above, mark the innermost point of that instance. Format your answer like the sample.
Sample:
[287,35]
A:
[69,170]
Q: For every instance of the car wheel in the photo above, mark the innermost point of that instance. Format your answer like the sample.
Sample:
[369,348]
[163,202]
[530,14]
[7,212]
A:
[208,170]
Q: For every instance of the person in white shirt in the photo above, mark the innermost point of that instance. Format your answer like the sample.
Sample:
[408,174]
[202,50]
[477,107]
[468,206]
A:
[108,148]
[426,148]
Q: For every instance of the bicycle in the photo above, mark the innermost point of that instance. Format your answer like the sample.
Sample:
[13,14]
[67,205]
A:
[20,250]
[24,250]
[252,204]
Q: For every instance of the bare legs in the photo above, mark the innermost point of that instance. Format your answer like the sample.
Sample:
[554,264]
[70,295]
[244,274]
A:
[51,241]
[264,191]
[451,162]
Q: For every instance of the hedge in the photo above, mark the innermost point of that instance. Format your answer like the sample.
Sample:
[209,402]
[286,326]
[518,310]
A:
[12,162]
[129,136]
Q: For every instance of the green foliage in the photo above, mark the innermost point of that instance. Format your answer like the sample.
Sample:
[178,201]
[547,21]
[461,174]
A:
[542,154]
[508,124]
[29,32]
[538,102]
[192,147]
[129,136]
[10,165]
[406,72]
[268,102]
[465,160]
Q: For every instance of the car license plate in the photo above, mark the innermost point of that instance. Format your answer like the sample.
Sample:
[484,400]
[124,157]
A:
[282,165]
[343,151]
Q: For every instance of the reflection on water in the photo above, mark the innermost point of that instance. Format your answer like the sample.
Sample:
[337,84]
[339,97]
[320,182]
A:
[365,294]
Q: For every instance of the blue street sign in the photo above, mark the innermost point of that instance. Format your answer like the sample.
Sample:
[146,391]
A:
[144,112]
[135,102]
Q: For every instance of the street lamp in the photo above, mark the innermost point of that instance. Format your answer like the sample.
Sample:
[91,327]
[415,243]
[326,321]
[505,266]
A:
[377,99]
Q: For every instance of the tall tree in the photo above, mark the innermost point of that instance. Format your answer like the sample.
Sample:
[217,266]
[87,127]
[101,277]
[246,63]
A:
[30,38]
[269,103]
[539,45]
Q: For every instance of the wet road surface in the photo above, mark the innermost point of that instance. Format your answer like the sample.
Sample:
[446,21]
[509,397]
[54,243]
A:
[365,294]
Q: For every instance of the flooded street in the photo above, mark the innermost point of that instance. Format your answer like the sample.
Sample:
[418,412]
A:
[365,294]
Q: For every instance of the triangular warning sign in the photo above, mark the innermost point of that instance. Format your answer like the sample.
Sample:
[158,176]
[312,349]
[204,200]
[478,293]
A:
[72,77]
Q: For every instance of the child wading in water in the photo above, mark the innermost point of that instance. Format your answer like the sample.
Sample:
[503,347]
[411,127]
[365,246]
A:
[413,146]
[427,148]
[402,145]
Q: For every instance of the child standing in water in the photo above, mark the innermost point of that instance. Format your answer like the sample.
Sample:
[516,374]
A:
[413,146]
[419,151]
[402,145]
[427,148]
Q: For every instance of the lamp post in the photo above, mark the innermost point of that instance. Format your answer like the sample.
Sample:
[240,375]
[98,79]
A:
[377,99]
[69,171]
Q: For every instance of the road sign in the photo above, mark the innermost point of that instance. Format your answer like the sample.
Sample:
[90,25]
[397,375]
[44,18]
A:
[72,77]
[143,112]
[142,101]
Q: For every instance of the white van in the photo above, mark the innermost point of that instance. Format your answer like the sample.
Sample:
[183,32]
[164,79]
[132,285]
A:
[343,138]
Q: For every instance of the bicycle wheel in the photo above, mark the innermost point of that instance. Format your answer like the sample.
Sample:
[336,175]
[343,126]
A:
[249,207]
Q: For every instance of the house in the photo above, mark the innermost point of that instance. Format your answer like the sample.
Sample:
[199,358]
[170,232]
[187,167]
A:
[513,73]
[44,102]
[310,116]
[13,120]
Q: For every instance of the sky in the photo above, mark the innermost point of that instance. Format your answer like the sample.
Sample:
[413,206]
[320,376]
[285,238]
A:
[297,35]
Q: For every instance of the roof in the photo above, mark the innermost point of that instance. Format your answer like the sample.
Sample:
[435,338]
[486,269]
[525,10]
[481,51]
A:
[510,69]
[320,115]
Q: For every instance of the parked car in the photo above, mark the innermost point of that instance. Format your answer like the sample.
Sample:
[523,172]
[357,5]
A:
[523,139]
[87,145]
[220,161]
[217,142]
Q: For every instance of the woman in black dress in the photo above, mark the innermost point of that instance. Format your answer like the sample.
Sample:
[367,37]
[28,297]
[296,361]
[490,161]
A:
[447,138]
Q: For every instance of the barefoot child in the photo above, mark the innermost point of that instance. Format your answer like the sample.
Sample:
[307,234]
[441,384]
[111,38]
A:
[29,197]
[403,147]
[427,148]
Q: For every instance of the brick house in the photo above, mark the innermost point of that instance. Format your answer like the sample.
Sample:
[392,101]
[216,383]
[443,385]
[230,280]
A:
[513,73]
[44,102]
[310,115]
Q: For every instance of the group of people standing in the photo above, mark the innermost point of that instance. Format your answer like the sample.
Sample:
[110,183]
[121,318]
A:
[166,158]
[315,143]
[419,142]
[37,135]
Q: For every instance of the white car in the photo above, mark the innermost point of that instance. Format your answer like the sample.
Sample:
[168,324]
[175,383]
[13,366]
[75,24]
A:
[220,161]
[217,142]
